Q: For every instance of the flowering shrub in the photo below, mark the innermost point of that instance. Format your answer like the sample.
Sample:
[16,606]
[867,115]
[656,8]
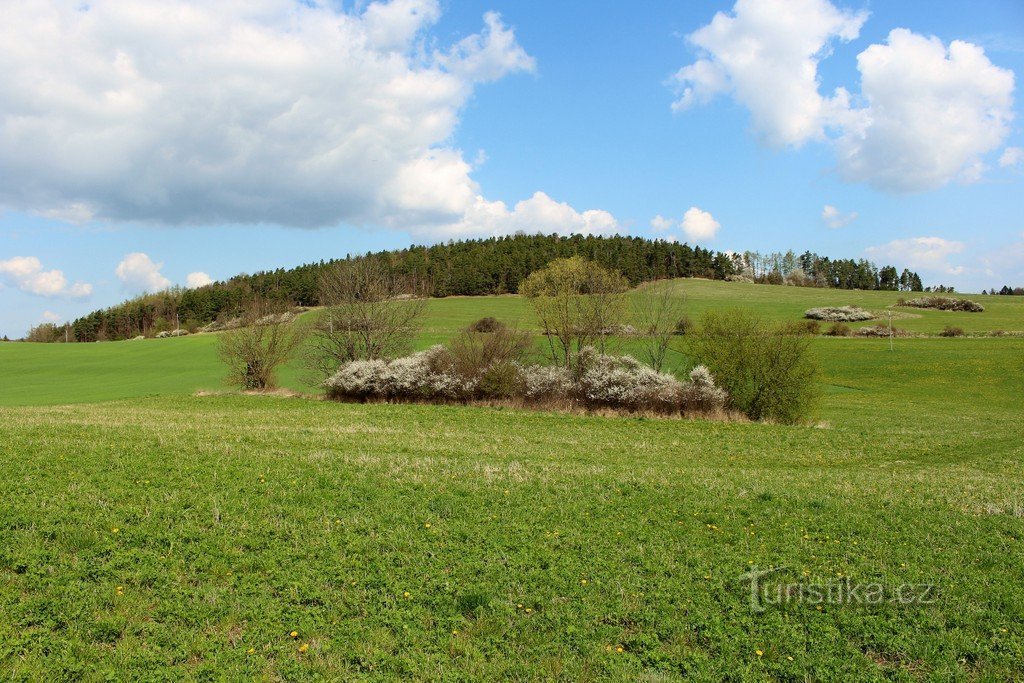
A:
[171,333]
[701,394]
[422,376]
[882,331]
[944,303]
[545,382]
[596,381]
[839,314]
[623,381]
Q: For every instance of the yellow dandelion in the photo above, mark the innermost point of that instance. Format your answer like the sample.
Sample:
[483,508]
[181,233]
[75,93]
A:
[528,610]
[115,530]
[619,649]
[789,658]
[294,634]
[455,632]
[427,525]
[303,647]
[583,582]
[405,594]
[251,650]
[759,653]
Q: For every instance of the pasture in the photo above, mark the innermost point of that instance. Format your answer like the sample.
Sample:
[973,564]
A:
[147,532]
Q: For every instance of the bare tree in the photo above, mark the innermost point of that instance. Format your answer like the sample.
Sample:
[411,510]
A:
[578,303]
[370,313]
[266,340]
[657,311]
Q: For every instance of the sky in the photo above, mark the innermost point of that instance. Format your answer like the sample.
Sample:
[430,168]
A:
[175,142]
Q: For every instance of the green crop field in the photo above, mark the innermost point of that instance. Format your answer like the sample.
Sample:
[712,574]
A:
[147,532]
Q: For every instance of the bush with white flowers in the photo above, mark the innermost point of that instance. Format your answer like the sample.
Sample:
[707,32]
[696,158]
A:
[839,314]
[595,381]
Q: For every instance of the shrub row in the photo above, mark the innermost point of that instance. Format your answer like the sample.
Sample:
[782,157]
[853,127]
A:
[943,303]
[839,314]
[594,381]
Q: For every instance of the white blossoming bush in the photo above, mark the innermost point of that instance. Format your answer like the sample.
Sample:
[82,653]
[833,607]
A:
[624,382]
[427,375]
[839,314]
[701,394]
[171,333]
[595,381]
[545,383]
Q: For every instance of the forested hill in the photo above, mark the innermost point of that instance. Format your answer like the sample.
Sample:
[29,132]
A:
[485,266]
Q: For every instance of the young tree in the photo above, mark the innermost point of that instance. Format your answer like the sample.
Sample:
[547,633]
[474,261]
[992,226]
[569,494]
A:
[578,303]
[266,340]
[768,372]
[656,311]
[371,313]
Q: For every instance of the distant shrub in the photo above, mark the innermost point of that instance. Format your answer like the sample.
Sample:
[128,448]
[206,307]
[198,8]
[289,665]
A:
[738,278]
[683,326]
[944,303]
[488,324]
[882,331]
[951,331]
[171,333]
[839,314]
[768,373]
[839,330]
[811,327]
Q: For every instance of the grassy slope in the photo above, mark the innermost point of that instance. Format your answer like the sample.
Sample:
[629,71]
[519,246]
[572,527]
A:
[240,519]
[42,374]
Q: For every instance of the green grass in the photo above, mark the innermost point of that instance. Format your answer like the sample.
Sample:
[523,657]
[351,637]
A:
[242,518]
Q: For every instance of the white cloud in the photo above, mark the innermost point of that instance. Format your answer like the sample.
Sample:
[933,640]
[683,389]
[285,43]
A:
[765,54]
[27,274]
[274,111]
[138,273]
[834,218]
[1012,156]
[930,254]
[931,114]
[925,116]
[661,224]
[197,279]
[698,225]
[50,317]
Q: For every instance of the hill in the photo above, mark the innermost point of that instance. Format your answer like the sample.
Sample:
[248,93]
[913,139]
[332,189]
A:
[477,268]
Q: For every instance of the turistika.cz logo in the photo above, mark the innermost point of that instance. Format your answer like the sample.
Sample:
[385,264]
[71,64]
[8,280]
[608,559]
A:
[766,592]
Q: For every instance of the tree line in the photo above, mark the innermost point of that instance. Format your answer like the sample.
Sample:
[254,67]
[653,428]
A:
[481,267]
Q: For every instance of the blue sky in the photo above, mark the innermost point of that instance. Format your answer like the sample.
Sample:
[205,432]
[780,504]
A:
[133,155]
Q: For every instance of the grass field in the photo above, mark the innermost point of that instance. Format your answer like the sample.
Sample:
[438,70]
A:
[148,533]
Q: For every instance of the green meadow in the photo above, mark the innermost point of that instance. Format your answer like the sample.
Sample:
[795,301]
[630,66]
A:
[156,526]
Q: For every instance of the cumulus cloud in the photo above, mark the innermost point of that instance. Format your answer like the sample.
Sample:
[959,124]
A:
[661,224]
[765,53]
[931,113]
[930,254]
[26,273]
[299,114]
[49,317]
[834,218]
[138,273]
[1011,157]
[698,225]
[926,114]
[197,279]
